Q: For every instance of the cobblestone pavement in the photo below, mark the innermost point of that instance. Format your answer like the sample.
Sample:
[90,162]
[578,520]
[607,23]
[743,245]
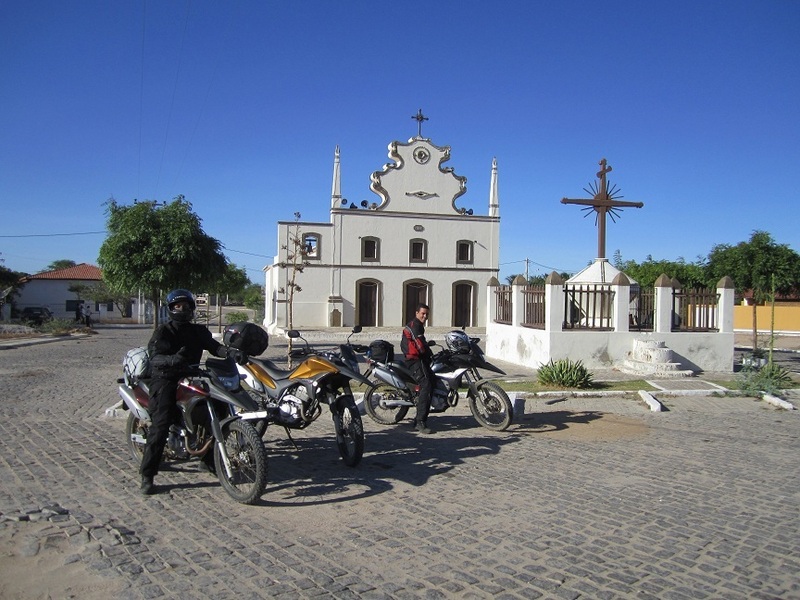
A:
[696,502]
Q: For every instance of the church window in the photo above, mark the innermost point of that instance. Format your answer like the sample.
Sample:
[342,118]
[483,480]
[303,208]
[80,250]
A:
[311,246]
[370,249]
[464,252]
[418,251]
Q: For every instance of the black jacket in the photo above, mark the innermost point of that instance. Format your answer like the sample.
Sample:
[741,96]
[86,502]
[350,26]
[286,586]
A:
[176,345]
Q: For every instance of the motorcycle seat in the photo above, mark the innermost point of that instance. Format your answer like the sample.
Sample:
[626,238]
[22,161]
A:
[402,368]
[269,367]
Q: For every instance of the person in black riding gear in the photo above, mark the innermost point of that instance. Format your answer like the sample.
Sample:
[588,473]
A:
[173,347]
[418,357]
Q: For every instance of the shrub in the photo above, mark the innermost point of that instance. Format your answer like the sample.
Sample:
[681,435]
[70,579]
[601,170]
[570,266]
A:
[57,326]
[235,317]
[565,373]
[770,379]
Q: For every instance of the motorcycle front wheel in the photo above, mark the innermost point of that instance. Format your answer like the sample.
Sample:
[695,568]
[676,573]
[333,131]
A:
[242,445]
[136,432]
[377,399]
[492,408]
[349,431]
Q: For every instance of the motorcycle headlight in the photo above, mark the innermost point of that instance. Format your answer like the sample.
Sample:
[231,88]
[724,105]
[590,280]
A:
[230,383]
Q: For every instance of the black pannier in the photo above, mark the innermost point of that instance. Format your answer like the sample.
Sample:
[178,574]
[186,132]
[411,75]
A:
[381,351]
[247,337]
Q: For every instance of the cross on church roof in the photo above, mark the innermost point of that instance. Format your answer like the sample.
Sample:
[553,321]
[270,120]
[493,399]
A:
[604,202]
[419,118]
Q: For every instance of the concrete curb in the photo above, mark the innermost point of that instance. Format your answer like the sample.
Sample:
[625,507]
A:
[775,401]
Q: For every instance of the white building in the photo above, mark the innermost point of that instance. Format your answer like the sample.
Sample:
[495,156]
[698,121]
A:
[372,264]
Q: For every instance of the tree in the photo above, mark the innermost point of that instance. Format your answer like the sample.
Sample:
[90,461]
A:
[758,267]
[232,280]
[691,275]
[60,264]
[155,247]
[9,283]
[99,292]
[296,262]
[254,299]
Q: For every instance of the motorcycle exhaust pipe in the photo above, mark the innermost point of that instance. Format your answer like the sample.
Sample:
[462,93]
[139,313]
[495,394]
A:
[129,398]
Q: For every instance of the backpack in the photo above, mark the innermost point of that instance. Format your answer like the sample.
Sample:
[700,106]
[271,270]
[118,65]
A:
[381,351]
[136,365]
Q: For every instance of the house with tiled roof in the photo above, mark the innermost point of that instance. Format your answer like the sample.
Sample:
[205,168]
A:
[51,289]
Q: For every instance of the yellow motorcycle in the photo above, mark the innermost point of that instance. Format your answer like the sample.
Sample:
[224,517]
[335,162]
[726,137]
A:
[294,397]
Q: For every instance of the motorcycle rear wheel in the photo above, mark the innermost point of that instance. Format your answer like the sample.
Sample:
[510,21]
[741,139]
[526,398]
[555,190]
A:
[248,459]
[492,408]
[349,431]
[138,428]
[385,415]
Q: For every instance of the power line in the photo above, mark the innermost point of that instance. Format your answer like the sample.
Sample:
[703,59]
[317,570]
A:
[32,235]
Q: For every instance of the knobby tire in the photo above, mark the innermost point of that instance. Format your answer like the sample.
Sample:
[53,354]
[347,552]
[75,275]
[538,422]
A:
[385,416]
[248,460]
[492,407]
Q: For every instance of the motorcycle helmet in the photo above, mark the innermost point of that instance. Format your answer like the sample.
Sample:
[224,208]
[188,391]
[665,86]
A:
[457,341]
[181,295]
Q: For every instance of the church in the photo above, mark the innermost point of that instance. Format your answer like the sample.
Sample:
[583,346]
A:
[371,264]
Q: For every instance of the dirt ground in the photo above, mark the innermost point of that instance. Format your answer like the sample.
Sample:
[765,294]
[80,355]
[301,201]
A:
[38,566]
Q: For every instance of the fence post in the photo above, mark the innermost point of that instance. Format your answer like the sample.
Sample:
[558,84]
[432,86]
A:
[554,302]
[491,299]
[517,301]
[622,303]
[663,302]
[726,291]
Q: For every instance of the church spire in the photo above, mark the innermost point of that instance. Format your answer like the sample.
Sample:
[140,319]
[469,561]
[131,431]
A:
[494,198]
[336,188]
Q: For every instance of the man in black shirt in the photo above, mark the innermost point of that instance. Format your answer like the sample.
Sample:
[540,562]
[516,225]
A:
[173,347]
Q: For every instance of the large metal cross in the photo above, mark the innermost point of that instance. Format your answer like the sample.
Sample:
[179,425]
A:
[604,202]
[419,118]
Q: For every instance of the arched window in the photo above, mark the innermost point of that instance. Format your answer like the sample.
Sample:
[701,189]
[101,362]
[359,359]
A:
[418,251]
[311,246]
[370,249]
[465,252]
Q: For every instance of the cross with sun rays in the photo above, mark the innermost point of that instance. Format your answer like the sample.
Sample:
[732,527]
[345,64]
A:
[604,202]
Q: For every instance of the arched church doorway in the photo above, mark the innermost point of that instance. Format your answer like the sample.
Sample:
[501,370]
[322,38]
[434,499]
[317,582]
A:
[414,293]
[463,304]
[367,303]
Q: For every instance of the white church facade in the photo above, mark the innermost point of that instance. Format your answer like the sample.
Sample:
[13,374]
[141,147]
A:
[370,265]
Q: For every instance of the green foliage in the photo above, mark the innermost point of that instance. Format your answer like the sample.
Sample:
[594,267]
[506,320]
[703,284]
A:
[56,326]
[757,265]
[254,300]
[235,317]
[691,275]
[157,247]
[63,263]
[565,373]
[770,379]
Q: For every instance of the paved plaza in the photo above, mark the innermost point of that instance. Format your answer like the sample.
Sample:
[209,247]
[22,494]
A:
[583,497]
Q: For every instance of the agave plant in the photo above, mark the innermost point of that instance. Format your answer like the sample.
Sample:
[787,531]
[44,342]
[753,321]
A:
[769,379]
[565,373]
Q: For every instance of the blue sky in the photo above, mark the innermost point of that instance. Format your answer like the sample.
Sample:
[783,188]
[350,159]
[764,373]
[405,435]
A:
[238,105]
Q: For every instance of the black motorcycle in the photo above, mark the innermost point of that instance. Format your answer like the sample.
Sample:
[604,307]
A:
[394,388]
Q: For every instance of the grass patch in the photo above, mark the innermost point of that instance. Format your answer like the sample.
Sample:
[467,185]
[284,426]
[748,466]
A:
[533,386]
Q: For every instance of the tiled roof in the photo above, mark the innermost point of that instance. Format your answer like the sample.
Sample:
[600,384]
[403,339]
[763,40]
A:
[82,271]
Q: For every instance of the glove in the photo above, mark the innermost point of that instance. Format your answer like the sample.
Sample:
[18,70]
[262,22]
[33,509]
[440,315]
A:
[178,361]
[237,355]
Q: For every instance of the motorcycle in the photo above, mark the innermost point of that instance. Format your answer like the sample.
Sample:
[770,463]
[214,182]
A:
[293,398]
[394,388]
[215,416]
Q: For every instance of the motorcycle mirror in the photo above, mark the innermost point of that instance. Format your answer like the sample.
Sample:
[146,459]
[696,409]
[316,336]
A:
[357,329]
[293,334]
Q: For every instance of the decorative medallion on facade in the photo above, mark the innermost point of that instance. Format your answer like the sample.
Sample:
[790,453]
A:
[416,181]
